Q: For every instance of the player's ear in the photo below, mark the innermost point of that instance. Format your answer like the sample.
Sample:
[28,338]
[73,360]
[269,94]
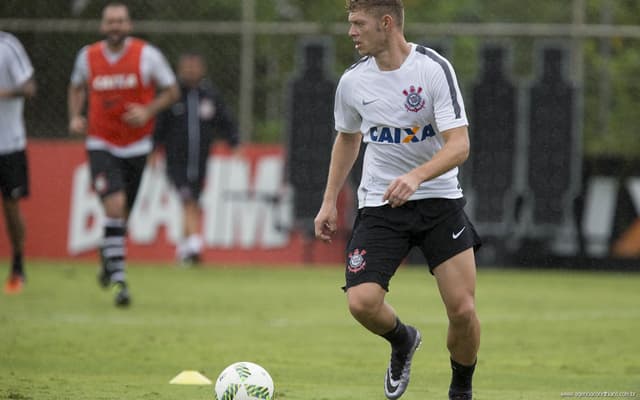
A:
[387,22]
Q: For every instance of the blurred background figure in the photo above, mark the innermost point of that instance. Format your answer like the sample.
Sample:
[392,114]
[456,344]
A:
[16,84]
[310,136]
[119,77]
[184,133]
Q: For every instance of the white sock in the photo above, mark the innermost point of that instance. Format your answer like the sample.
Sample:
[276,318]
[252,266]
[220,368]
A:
[182,249]
[194,244]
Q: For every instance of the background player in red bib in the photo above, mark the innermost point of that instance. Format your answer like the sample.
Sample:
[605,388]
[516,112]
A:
[118,78]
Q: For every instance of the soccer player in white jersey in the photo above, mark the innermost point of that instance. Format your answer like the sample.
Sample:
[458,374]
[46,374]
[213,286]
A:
[403,100]
[118,77]
[16,84]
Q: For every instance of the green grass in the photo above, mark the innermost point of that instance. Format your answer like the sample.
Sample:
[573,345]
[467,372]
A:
[543,333]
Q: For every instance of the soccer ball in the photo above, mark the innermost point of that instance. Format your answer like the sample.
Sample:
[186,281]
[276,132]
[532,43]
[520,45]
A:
[244,381]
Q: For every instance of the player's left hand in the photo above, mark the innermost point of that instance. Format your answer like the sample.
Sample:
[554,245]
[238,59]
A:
[136,114]
[401,189]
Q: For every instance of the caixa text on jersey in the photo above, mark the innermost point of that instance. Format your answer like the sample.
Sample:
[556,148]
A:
[401,135]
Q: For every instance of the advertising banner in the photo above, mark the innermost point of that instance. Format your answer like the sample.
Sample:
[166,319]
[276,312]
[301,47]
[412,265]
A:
[246,211]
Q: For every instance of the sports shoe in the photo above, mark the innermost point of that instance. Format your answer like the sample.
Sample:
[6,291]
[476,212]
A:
[14,284]
[104,276]
[191,260]
[122,298]
[396,379]
[460,395]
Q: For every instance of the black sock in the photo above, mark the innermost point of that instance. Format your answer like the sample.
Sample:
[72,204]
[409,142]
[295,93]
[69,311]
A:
[461,376]
[113,248]
[16,265]
[398,336]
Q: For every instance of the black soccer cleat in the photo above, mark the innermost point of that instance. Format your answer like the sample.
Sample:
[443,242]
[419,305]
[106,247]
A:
[467,395]
[122,298]
[191,260]
[396,379]
[104,275]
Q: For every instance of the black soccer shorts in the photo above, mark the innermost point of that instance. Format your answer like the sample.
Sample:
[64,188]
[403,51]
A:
[111,174]
[382,237]
[14,175]
[188,189]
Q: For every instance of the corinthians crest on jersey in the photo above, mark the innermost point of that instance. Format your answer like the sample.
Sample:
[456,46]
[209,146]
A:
[415,102]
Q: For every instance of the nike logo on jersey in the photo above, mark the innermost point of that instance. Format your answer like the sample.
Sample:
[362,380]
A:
[456,235]
[366,103]
[384,134]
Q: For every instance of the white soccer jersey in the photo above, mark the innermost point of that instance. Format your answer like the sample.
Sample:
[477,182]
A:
[401,113]
[15,70]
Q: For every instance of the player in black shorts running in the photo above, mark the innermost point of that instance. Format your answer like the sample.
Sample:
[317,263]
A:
[403,100]
[16,83]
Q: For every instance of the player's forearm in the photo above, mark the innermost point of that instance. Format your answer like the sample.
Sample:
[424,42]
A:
[75,101]
[166,98]
[343,156]
[26,90]
[454,152]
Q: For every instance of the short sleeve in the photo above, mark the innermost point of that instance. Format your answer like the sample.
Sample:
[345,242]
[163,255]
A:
[80,73]
[448,106]
[347,118]
[156,68]
[20,69]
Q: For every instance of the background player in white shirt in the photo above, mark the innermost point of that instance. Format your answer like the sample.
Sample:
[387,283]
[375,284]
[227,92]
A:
[16,84]
[403,100]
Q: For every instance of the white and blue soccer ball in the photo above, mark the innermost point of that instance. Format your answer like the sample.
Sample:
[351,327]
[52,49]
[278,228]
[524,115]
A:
[244,381]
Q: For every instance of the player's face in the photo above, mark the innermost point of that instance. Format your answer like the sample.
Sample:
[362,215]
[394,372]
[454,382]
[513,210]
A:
[116,25]
[191,70]
[366,32]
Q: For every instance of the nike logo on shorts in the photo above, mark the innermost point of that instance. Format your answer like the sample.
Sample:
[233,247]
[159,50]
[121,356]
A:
[456,235]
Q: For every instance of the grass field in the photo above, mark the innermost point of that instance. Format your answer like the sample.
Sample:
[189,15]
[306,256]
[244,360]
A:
[544,333]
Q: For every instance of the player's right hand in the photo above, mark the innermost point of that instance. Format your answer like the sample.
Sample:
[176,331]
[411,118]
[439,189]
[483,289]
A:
[78,125]
[326,223]
[155,158]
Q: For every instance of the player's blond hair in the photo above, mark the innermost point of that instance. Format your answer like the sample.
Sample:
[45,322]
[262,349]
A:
[395,8]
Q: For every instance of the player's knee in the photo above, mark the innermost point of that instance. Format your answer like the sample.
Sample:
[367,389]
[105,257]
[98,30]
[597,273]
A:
[462,313]
[360,308]
[362,303]
[115,205]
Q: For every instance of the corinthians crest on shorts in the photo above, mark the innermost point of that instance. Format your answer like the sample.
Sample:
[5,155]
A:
[356,261]
[414,102]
